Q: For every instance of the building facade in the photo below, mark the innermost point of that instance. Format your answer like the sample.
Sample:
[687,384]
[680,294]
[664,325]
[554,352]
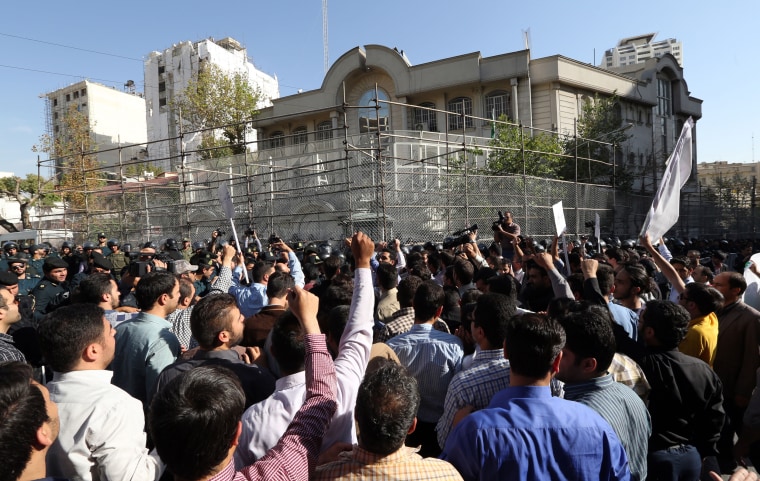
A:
[116,118]
[641,48]
[167,74]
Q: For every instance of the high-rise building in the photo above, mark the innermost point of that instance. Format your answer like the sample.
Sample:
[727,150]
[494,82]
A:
[116,118]
[167,74]
[640,48]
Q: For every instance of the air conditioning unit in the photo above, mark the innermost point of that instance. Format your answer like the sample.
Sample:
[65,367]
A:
[422,126]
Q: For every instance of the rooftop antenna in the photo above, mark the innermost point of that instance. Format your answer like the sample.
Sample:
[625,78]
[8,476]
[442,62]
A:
[324,34]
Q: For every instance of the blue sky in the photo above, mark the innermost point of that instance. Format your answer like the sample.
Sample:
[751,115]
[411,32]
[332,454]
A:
[285,38]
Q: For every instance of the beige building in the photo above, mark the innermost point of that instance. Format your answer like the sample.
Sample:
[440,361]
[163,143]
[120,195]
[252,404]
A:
[116,118]
[420,116]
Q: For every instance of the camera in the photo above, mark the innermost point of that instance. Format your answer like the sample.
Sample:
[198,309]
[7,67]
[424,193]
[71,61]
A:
[459,237]
[250,231]
[274,239]
[220,232]
[497,223]
[138,268]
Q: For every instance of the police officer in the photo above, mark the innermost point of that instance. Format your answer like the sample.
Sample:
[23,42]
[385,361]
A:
[171,248]
[53,290]
[26,283]
[38,258]
[102,244]
[10,249]
[187,249]
[116,257]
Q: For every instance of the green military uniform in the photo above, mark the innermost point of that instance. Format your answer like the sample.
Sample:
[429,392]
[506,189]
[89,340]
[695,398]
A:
[119,261]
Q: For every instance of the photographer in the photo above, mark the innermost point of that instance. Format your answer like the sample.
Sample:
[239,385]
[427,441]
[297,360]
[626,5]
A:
[506,233]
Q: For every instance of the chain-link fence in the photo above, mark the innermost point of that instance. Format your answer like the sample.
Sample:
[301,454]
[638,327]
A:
[406,184]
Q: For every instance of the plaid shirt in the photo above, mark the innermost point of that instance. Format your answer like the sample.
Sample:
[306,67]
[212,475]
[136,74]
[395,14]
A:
[9,352]
[295,455]
[401,322]
[405,463]
[625,371]
[474,387]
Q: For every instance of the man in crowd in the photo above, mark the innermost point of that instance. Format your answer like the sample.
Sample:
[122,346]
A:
[144,345]
[9,315]
[504,441]
[50,291]
[507,234]
[117,258]
[386,408]
[258,326]
[264,422]
[195,420]
[100,289]
[586,358]
[26,283]
[102,429]
[489,373]
[387,281]
[702,303]
[403,319]
[433,358]
[29,423]
[217,325]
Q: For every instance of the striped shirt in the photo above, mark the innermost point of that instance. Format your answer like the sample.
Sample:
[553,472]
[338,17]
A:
[360,464]
[624,411]
[401,321]
[474,387]
[433,358]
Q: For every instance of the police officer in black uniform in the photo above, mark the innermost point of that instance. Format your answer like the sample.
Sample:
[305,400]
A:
[53,290]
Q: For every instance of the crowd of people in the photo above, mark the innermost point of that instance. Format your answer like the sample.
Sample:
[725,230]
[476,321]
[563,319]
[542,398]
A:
[497,358]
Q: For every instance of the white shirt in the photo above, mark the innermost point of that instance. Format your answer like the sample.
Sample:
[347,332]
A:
[101,434]
[265,422]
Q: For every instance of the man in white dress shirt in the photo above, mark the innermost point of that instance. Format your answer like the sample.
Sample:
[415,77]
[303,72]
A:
[102,434]
[265,422]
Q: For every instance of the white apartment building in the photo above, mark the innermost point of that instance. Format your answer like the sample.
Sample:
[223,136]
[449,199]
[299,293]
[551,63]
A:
[116,118]
[640,48]
[167,74]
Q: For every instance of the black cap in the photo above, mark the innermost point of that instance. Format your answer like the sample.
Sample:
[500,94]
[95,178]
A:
[99,260]
[8,279]
[54,263]
[102,234]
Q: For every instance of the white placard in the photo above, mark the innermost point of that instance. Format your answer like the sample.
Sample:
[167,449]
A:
[226,201]
[597,228]
[559,219]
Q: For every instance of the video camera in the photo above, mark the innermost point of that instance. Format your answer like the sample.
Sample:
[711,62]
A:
[497,223]
[459,237]
[274,239]
[138,268]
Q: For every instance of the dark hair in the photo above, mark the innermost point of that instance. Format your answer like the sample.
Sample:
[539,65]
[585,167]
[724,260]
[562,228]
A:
[619,254]
[288,345]
[279,284]
[419,268]
[186,289]
[492,314]
[152,286]
[406,290]
[706,298]
[533,342]
[310,272]
[682,260]
[589,335]
[386,405]
[22,412]
[427,300]
[391,253]
[638,276]
[464,271]
[506,285]
[337,319]
[67,331]
[260,269]
[668,320]
[575,281]
[706,271]
[737,281]
[387,276]
[331,266]
[194,418]
[210,317]
[605,276]
[484,274]
[92,289]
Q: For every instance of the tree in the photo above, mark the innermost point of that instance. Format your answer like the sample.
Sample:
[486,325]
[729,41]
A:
[512,145]
[76,163]
[218,102]
[599,130]
[28,192]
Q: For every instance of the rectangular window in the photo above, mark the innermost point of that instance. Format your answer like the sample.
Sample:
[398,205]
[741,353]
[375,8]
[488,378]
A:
[162,102]
[76,94]
[55,102]
[664,98]
[459,106]
[161,69]
[84,92]
[497,105]
[55,115]
[162,86]
[68,97]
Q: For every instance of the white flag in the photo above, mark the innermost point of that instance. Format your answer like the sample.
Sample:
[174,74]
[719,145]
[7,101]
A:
[665,208]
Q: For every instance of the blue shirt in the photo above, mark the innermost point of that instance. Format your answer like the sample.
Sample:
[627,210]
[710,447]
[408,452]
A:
[527,434]
[433,358]
[626,318]
[144,347]
[251,298]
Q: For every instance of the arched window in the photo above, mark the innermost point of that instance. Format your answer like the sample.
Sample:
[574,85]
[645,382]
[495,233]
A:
[277,139]
[324,130]
[371,118]
[497,104]
[460,105]
[423,119]
[300,136]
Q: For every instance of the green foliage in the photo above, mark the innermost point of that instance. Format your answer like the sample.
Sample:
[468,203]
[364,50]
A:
[219,104]
[30,191]
[541,153]
[599,129]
